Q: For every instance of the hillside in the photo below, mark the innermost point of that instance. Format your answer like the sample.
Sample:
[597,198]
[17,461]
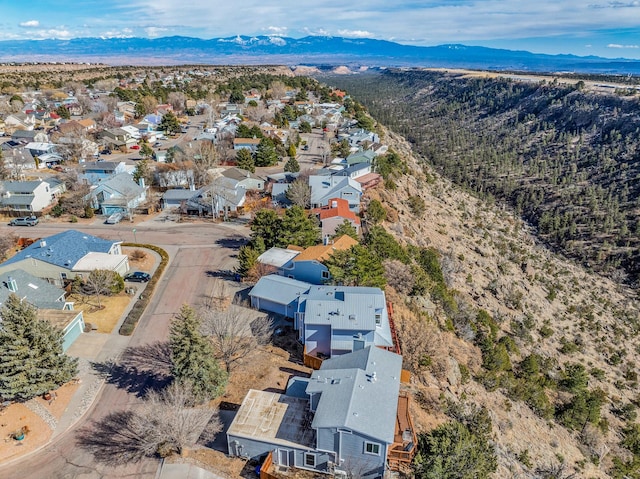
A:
[543,305]
[565,157]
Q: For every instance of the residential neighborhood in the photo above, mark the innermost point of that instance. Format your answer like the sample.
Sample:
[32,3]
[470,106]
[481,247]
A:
[197,163]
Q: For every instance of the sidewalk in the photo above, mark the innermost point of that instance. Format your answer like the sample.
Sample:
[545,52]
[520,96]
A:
[91,347]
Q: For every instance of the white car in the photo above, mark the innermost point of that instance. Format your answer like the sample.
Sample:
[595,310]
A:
[114,219]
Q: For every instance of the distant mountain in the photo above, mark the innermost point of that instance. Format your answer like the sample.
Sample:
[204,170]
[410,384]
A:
[313,50]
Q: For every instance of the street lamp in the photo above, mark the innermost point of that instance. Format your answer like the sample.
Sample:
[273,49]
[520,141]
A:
[135,239]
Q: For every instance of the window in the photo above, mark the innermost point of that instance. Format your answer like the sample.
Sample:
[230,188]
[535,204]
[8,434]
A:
[325,275]
[372,448]
[310,460]
[378,319]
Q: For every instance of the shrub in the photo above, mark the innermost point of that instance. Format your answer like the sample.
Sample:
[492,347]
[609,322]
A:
[130,322]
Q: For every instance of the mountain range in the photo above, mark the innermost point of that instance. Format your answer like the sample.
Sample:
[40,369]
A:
[311,50]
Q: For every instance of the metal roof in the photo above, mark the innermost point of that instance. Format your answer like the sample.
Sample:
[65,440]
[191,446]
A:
[279,289]
[359,391]
[64,249]
[277,256]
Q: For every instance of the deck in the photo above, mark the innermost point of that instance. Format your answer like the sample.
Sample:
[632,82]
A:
[405,440]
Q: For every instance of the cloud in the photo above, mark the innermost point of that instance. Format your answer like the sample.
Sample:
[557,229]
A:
[355,33]
[277,30]
[30,24]
[153,32]
[617,45]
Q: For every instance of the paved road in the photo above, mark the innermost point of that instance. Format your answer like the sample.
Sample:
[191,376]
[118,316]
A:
[196,250]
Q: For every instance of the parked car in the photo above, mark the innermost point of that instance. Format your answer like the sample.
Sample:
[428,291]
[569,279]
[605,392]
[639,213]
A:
[135,147]
[26,221]
[137,276]
[105,152]
[114,219]
[305,147]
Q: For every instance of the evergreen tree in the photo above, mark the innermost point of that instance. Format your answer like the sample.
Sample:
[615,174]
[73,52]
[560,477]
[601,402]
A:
[298,228]
[31,358]
[169,123]
[292,165]
[244,160]
[145,150]
[192,357]
[376,212]
[384,245]
[247,259]
[266,153]
[266,224]
[356,266]
[291,151]
[345,228]
[63,112]
[305,127]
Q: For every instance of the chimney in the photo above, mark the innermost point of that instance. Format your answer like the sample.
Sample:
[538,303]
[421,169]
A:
[43,244]
[325,240]
[12,285]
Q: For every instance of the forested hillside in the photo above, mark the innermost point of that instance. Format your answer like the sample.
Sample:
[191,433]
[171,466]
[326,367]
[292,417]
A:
[565,157]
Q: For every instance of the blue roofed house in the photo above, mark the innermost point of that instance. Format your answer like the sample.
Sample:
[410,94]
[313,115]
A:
[96,171]
[65,255]
[49,300]
[346,420]
[277,294]
[334,320]
[118,194]
[325,188]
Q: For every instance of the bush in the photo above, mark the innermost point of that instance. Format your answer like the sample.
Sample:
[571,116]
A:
[130,322]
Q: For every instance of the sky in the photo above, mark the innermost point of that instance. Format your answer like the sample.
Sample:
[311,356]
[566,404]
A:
[588,27]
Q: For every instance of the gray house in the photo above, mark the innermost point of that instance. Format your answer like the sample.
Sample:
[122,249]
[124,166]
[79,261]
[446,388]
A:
[48,299]
[341,421]
[325,188]
[277,294]
[334,320]
[246,179]
[118,194]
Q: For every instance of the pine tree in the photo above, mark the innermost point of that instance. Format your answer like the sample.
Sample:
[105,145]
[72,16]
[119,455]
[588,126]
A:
[192,357]
[266,153]
[247,259]
[297,228]
[266,224]
[31,357]
[292,165]
[244,160]
[345,228]
[357,266]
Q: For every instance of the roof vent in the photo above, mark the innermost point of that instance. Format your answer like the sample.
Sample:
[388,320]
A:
[43,244]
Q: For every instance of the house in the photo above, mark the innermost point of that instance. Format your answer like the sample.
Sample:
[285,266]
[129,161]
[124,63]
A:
[225,195]
[362,156]
[308,265]
[118,194]
[58,258]
[354,171]
[343,420]
[175,198]
[24,197]
[96,171]
[325,188]
[30,135]
[20,121]
[334,214]
[249,181]
[39,149]
[248,143]
[277,294]
[48,299]
[334,320]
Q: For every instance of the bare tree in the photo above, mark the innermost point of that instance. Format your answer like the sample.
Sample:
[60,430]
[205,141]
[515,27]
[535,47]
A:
[165,424]
[422,343]
[202,156]
[399,275]
[8,242]
[299,193]
[100,282]
[234,333]
[177,100]
[219,296]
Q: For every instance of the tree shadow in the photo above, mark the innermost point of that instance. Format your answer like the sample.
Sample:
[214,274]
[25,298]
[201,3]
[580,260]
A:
[140,370]
[226,274]
[113,440]
[234,242]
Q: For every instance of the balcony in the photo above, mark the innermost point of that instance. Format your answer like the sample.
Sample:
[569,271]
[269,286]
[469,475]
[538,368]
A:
[405,440]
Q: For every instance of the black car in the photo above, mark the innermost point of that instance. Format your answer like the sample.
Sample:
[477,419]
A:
[138,277]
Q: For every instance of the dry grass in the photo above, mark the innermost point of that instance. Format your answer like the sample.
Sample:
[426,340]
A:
[213,460]
[13,418]
[104,319]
